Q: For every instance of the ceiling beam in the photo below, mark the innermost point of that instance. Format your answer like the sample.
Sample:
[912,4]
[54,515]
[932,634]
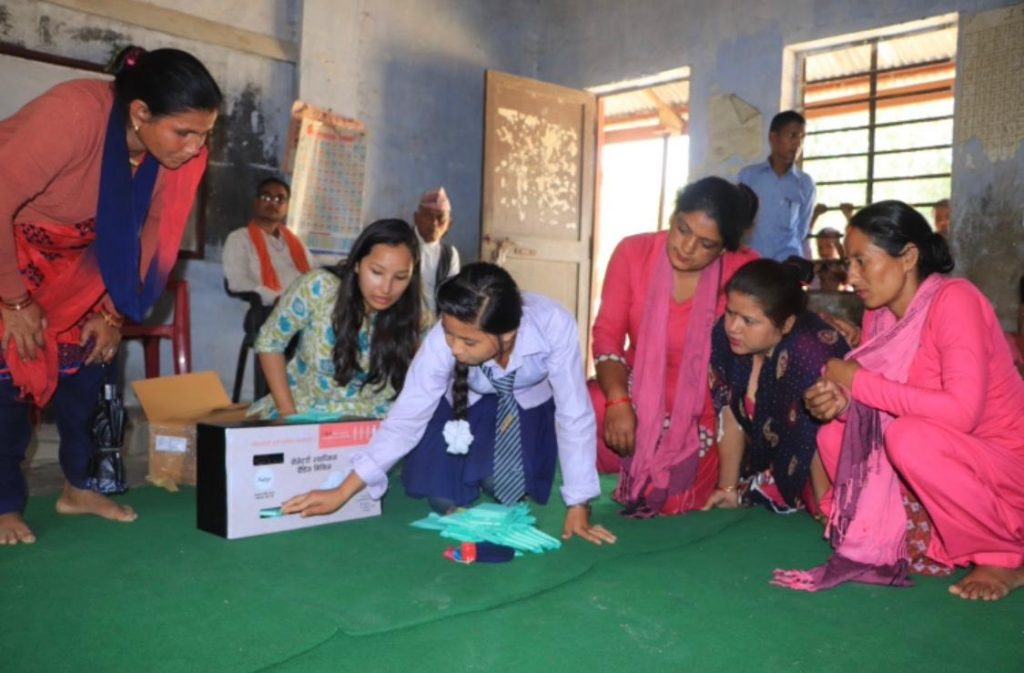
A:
[668,117]
[181,24]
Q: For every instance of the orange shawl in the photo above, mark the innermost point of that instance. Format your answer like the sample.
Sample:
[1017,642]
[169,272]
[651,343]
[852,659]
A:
[268,277]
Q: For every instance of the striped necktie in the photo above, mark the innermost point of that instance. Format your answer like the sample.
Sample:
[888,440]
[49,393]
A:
[509,482]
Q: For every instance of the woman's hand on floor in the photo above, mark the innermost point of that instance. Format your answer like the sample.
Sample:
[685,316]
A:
[577,522]
[723,499]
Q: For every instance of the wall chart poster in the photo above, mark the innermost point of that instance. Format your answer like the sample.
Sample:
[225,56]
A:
[328,164]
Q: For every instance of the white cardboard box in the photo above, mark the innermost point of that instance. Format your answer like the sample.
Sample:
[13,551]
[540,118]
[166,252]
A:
[247,470]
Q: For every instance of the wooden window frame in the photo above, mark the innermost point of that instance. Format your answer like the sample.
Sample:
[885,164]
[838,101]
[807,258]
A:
[873,100]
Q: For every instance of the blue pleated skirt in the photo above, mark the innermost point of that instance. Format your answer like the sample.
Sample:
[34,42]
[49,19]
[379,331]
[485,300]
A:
[429,471]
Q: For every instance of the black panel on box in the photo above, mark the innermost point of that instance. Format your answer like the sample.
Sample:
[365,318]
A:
[211,479]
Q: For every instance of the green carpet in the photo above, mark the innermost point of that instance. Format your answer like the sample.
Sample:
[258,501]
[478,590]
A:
[684,593]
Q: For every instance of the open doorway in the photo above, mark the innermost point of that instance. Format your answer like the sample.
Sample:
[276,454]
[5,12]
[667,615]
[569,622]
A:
[642,160]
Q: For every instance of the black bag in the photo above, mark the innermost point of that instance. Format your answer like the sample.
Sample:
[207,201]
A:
[106,468]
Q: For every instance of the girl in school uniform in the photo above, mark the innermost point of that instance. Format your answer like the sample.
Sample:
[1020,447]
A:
[495,394]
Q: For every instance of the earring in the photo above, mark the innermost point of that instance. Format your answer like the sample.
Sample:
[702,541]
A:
[135,127]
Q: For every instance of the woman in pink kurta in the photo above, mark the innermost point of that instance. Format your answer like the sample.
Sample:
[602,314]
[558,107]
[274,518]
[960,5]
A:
[651,342]
[935,369]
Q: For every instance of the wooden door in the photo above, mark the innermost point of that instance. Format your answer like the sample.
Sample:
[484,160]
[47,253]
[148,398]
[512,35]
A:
[538,188]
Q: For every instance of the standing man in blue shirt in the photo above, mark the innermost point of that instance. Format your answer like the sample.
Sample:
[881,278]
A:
[786,193]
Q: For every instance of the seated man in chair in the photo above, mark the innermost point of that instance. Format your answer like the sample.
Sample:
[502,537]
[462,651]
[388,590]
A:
[265,257]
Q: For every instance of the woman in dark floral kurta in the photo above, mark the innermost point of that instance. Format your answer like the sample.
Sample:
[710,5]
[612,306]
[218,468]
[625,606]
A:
[766,351]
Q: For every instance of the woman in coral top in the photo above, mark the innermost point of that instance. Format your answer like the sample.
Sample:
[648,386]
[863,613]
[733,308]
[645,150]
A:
[928,404]
[98,181]
[663,292]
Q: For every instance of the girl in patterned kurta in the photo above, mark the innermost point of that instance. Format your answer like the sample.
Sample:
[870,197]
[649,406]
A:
[765,352]
[359,327]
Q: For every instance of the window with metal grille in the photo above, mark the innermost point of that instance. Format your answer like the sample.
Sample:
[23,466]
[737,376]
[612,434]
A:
[880,120]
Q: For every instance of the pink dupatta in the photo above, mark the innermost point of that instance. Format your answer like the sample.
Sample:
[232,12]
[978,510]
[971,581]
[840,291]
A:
[867,526]
[665,460]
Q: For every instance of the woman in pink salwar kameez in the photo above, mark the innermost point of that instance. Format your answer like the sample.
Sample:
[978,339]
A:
[929,403]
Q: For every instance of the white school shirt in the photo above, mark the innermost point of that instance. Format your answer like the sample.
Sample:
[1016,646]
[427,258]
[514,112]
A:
[546,359]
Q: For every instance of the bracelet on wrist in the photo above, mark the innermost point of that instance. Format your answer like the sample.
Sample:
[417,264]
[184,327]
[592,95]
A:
[111,319]
[19,304]
[618,400]
[728,489]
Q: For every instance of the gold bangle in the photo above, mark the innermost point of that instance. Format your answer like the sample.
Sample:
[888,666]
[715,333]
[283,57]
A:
[728,489]
[111,320]
[19,304]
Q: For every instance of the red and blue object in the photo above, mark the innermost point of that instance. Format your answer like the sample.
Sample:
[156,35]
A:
[480,552]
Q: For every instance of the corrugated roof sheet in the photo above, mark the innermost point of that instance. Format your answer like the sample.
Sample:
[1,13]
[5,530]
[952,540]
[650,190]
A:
[893,52]
[637,102]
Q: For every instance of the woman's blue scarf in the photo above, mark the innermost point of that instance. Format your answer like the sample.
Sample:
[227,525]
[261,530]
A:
[124,202]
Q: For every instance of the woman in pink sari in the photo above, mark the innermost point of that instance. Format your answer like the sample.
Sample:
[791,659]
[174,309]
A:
[928,410]
[663,292]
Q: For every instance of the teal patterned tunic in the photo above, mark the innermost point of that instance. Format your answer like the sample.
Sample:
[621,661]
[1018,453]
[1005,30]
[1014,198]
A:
[306,308]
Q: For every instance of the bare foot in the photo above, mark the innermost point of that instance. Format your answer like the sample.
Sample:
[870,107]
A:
[988,583]
[14,530]
[83,501]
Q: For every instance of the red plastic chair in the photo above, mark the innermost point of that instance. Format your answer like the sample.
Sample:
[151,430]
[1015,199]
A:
[179,331]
